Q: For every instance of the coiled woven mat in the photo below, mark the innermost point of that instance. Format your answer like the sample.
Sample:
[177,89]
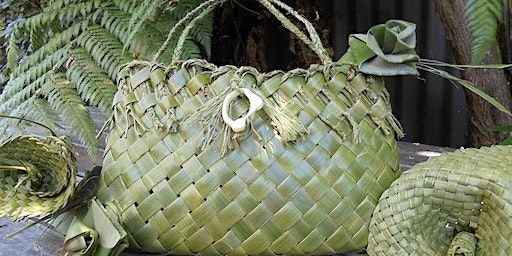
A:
[456,204]
[37,176]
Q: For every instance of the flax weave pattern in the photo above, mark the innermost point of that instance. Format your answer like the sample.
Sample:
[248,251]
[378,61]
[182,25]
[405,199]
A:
[456,204]
[37,176]
[313,195]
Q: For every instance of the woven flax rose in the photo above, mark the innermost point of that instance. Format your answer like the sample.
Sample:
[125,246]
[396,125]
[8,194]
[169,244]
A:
[387,50]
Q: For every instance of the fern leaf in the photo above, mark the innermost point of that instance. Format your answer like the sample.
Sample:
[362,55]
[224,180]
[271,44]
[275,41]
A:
[191,50]
[116,21]
[67,14]
[199,42]
[85,49]
[201,34]
[126,6]
[104,49]
[38,38]
[13,52]
[59,4]
[93,84]
[25,93]
[32,109]
[57,42]
[40,110]
[64,99]
[143,12]
[484,17]
[15,89]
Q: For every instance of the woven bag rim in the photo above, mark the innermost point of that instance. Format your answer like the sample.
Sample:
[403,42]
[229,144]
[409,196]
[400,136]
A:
[327,70]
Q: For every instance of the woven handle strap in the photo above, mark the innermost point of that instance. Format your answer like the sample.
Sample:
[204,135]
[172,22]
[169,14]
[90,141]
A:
[313,40]
[206,7]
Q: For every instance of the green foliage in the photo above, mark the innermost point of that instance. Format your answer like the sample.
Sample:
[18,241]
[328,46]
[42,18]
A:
[13,53]
[12,11]
[484,18]
[74,51]
[505,128]
[63,98]
[143,12]
[92,83]
[203,27]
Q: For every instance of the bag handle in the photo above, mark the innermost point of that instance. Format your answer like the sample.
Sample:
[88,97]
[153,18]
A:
[191,17]
[313,41]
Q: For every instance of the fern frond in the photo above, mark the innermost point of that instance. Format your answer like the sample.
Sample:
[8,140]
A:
[199,41]
[59,4]
[64,99]
[93,84]
[201,32]
[116,21]
[484,18]
[68,14]
[77,64]
[105,49]
[145,42]
[13,52]
[57,42]
[25,93]
[142,14]
[38,109]
[126,6]
[191,50]
[32,109]
[15,89]
[38,38]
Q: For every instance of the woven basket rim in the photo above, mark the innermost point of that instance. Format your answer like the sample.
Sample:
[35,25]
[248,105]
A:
[209,66]
[138,70]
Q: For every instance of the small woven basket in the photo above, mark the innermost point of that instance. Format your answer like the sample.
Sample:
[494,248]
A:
[298,172]
[456,204]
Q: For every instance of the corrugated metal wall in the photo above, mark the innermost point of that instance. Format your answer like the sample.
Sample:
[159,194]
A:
[432,110]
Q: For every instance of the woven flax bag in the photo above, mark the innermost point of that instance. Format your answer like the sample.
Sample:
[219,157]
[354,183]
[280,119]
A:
[228,160]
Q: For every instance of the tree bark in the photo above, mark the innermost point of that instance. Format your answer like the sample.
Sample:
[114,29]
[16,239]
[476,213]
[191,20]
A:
[494,82]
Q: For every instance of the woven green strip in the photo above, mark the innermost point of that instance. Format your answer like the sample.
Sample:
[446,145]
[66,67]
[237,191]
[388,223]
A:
[463,244]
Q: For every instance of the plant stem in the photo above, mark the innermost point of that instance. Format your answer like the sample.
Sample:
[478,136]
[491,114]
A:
[30,121]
